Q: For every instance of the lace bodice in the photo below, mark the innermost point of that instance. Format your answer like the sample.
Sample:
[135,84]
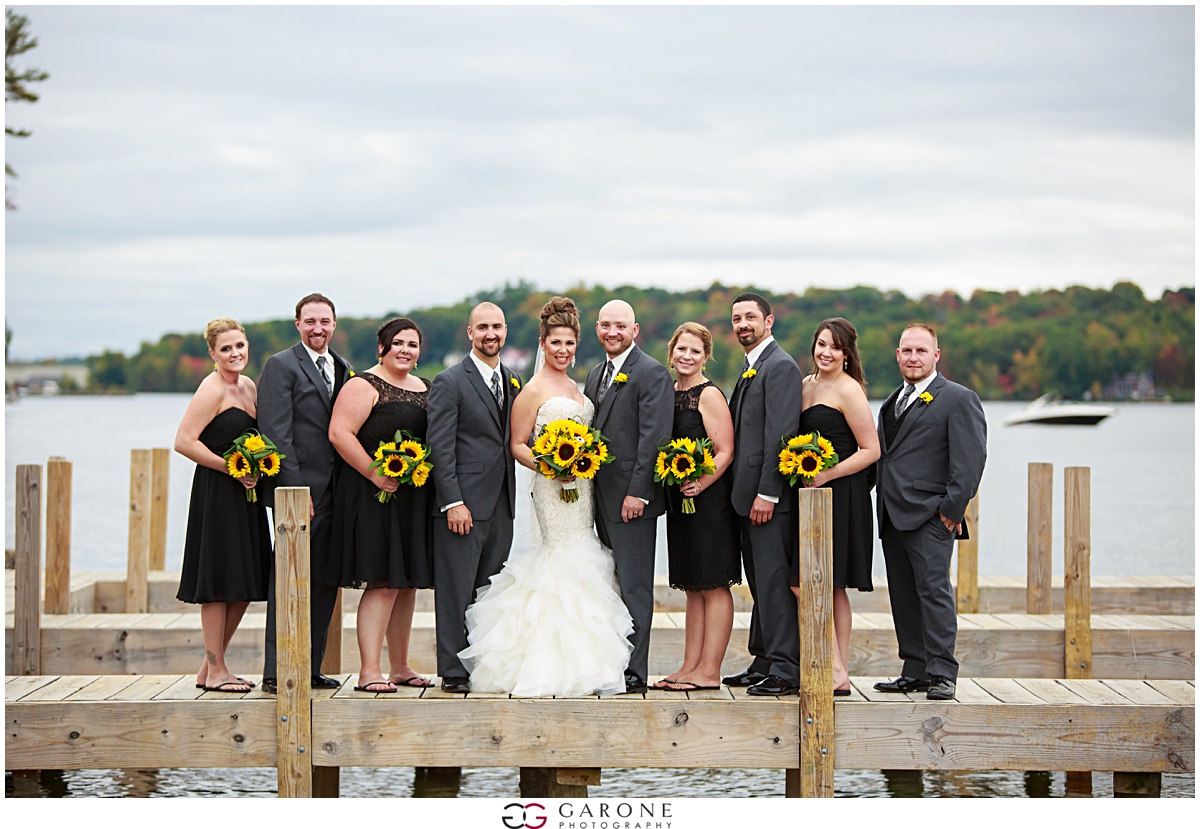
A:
[558,408]
[559,521]
[394,394]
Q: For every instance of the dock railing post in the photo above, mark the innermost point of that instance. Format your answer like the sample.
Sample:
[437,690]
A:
[58,536]
[815,611]
[293,705]
[1077,589]
[1039,537]
[137,588]
[27,572]
[966,590]
[160,481]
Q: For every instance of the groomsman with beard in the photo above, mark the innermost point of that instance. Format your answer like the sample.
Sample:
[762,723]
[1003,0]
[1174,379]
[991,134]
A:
[766,406]
[635,409]
[473,472]
[295,400]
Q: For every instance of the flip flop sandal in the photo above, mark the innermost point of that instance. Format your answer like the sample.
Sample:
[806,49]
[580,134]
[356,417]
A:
[841,692]
[662,685]
[225,689]
[239,679]
[693,686]
[414,682]
[366,689]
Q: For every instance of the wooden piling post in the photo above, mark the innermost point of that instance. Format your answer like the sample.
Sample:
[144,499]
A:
[27,575]
[1134,784]
[293,625]
[550,782]
[160,480]
[332,663]
[137,586]
[967,589]
[816,642]
[1039,537]
[58,535]
[1077,589]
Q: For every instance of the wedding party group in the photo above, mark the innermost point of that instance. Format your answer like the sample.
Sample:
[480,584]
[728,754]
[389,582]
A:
[413,485]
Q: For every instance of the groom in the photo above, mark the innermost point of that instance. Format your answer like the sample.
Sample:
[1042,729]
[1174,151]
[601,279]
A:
[635,409]
[475,484]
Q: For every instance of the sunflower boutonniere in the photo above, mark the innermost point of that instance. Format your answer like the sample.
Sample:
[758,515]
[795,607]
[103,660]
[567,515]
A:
[621,378]
[925,397]
[749,373]
[349,374]
[515,382]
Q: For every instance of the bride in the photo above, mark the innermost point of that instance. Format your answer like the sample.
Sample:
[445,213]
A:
[552,622]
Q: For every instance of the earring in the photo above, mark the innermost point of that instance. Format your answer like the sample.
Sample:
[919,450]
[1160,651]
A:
[703,366]
[670,364]
[572,361]
[215,366]
[379,359]
[845,364]
[415,364]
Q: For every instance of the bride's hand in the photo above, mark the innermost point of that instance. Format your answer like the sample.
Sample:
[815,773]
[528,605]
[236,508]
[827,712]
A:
[569,480]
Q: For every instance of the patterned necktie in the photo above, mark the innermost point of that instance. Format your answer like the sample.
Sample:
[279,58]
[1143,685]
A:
[324,376]
[497,391]
[604,381]
[909,388]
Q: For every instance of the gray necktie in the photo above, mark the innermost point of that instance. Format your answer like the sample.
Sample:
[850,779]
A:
[324,376]
[909,388]
[497,391]
[604,381]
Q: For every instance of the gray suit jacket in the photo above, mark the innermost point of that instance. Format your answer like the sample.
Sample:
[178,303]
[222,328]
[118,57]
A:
[765,408]
[635,417]
[936,461]
[468,439]
[294,411]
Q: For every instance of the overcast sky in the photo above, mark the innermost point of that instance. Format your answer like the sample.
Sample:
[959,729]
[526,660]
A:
[188,163]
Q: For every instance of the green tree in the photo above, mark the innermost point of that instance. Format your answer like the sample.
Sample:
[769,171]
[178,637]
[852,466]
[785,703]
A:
[17,41]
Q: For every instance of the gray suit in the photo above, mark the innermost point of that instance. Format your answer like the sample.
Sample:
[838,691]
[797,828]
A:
[468,436]
[635,416]
[932,464]
[294,408]
[766,407]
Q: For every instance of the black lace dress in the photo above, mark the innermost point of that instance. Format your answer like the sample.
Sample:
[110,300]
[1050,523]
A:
[853,524]
[227,550]
[703,548]
[391,544]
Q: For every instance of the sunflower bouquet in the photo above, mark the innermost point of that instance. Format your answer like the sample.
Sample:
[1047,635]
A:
[404,458]
[684,459]
[566,449]
[252,454]
[805,456]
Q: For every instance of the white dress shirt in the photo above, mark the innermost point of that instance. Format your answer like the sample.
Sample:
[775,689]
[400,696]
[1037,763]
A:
[486,372]
[328,372]
[918,391]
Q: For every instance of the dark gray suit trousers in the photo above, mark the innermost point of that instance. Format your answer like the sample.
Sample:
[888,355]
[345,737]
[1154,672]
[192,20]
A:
[767,552]
[632,545]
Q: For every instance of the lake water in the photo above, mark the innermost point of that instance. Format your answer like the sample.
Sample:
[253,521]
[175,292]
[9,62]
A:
[1143,523]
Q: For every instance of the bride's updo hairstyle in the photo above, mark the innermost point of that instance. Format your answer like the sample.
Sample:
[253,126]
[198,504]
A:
[559,312]
[390,329]
[218,327]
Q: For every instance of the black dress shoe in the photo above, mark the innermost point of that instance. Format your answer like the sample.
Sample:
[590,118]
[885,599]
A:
[270,685]
[634,685]
[745,679]
[773,686]
[456,684]
[941,687]
[322,681]
[902,685]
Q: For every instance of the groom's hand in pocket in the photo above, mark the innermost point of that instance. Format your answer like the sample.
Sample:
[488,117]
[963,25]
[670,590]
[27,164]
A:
[459,519]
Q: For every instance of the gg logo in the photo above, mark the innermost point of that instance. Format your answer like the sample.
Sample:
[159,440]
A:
[519,815]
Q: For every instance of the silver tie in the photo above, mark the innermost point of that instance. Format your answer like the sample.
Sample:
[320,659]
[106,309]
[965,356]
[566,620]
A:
[324,376]
[497,391]
[605,380]
[909,388]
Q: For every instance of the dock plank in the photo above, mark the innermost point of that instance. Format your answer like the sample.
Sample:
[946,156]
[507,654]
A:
[1094,692]
[1177,690]
[1138,692]
[61,688]
[146,687]
[183,688]
[102,689]
[16,687]
[1007,691]
[1051,691]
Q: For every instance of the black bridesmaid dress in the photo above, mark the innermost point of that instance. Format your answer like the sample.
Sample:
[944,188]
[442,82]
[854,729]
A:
[853,524]
[384,545]
[704,547]
[227,551]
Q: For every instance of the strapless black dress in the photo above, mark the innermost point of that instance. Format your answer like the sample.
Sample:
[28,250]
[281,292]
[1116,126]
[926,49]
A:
[703,548]
[227,550]
[853,522]
[383,545]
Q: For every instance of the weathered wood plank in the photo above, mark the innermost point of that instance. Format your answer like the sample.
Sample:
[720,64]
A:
[137,591]
[1077,585]
[1095,693]
[1051,691]
[27,572]
[58,536]
[1178,691]
[146,687]
[1007,691]
[1138,692]
[184,688]
[61,688]
[815,610]
[1039,538]
[294,726]
[160,482]
[16,687]
[102,689]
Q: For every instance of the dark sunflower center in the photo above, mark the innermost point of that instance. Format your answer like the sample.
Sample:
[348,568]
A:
[808,463]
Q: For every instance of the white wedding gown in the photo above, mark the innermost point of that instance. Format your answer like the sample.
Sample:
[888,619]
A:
[552,623]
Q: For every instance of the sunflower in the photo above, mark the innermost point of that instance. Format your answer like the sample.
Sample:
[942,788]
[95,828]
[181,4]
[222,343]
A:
[708,462]
[826,448]
[808,463]
[601,451]
[686,444]
[421,474]
[255,443]
[395,466]
[660,466]
[413,449]
[566,451]
[269,465]
[382,446]
[799,440]
[574,427]
[544,444]
[585,466]
[237,465]
[682,466]
[545,469]
[787,463]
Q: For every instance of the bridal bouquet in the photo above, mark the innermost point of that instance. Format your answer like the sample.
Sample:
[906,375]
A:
[566,449]
[403,458]
[684,459]
[252,454]
[805,456]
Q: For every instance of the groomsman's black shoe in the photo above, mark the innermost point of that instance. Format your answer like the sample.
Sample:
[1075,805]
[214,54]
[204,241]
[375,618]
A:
[902,685]
[269,685]
[745,679]
[773,686]
[322,681]
[634,684]
[456,684]
[941,687]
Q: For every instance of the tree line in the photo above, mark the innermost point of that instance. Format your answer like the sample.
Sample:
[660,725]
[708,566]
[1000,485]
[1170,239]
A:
[1005,345]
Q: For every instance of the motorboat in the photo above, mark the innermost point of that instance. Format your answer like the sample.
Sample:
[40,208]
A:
[1056,411]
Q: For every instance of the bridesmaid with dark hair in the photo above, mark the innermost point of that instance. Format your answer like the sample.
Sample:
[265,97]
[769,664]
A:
[383,548]
[835,404]
[227,551]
